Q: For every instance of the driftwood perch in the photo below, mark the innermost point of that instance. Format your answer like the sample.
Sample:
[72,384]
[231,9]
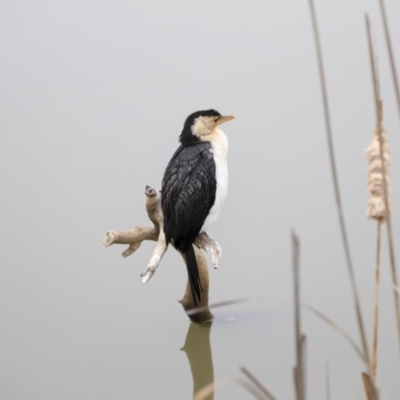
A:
[137,235]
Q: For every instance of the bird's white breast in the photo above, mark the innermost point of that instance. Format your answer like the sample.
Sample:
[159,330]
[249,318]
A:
[219,144]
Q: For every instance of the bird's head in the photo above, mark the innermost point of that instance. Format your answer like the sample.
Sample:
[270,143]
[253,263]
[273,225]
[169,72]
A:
[201,125]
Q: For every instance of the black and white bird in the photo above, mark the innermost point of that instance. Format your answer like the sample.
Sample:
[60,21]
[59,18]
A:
[195,185]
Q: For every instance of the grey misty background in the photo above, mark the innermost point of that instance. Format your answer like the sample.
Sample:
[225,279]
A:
[93,97]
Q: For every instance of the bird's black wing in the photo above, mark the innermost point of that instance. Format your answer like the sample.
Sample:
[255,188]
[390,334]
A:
[188,193]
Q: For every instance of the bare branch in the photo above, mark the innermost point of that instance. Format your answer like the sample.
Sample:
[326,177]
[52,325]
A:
[202,311]
[133,238]
[137,235]
[208,390]
[211,246]
[155,259]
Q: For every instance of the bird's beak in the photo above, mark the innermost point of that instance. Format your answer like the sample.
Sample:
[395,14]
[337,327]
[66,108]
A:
[224,119]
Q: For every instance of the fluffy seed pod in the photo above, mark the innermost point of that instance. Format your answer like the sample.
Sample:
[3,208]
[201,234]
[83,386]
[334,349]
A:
[376,207]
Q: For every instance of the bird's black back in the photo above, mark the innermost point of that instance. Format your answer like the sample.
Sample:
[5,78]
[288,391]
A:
[188,193]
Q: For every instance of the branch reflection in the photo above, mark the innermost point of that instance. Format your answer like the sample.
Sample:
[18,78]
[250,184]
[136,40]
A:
[198,350]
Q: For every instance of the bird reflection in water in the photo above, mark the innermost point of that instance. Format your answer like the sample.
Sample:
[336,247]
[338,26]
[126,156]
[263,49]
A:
[198,350]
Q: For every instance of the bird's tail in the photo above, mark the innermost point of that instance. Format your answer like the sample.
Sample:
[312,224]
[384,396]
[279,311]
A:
[193,274]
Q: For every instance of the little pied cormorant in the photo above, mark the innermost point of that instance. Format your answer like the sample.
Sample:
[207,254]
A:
[195,185]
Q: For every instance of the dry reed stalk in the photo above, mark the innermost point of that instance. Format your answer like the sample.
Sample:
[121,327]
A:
[336,185]
[374,360]
[304,364]
[328,382]
[338,329]
[396,288]
[369,388]
[257,383]
[381,183]
[299,369]
[391,56]
[376,206]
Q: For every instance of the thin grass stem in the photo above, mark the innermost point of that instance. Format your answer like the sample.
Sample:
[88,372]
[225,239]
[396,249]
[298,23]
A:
[391,54]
